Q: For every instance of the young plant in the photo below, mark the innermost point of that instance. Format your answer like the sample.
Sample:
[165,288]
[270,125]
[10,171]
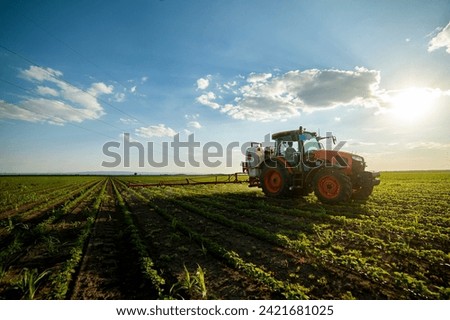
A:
[189,283]
[52,244]
[203,250]
[29,282]
[200,275]
[195,285]
[10,226]
[174,223]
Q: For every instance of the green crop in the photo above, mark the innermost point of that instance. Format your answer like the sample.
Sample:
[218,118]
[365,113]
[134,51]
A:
[395,245]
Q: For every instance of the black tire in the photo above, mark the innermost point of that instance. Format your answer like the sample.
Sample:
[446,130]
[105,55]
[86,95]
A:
[275,181]
[301,192]
[366,188]
[332,186]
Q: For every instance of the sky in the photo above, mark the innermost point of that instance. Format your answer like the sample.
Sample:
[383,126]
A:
[118,85]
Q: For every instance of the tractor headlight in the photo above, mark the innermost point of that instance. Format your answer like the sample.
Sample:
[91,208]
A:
[357,158]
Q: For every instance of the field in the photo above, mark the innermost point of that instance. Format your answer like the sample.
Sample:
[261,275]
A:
[94,237]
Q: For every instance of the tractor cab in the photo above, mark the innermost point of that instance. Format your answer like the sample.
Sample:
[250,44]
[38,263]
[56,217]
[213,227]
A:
[298,147]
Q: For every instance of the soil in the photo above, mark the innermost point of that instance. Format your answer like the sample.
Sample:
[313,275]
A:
[109,269]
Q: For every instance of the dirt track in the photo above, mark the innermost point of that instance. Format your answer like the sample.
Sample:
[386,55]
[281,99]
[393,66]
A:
[108,269]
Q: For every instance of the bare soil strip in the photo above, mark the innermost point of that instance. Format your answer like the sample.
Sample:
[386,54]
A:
[109,268]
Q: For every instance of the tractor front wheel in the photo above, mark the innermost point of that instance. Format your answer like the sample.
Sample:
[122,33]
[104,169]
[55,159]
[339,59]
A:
[366,188]
[274,182]
[332,186]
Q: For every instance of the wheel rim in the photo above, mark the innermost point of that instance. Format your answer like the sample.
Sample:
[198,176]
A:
[273,181]
[329,187]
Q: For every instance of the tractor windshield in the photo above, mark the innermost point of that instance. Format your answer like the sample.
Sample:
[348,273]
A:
[310,142]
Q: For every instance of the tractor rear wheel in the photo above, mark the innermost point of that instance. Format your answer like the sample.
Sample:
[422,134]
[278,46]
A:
[332,186]
[275,182]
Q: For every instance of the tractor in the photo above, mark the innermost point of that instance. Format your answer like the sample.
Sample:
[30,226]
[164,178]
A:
[298,164]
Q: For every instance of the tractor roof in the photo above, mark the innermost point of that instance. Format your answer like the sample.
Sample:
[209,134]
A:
[286,135]
[291,135]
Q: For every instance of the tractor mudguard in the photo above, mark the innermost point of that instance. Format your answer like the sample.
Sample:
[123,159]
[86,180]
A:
[310,175]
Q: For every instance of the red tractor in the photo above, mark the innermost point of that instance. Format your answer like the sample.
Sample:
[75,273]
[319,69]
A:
[298,164]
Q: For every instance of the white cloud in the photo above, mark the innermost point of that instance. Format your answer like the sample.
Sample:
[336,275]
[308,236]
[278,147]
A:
[144,79]
[133,89]
[99,88]
[191,116]
[63,101]
[194,124]
[441,40]
[82,99]
[230,84]
[261,77]
[44,91]
[159,130]
[207,99]
[57,111]
[41,109]
[41,74]
[202,83]
[265,97]
[119,97]
[128,121]
[11,111]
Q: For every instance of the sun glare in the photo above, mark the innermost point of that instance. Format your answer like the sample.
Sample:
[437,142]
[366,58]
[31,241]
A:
[412,104]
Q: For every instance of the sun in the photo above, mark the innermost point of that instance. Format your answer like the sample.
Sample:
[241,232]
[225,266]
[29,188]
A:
[410,105]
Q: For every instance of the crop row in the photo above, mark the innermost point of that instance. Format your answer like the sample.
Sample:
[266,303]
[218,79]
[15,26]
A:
[145,261]
[64,277]
[45,254]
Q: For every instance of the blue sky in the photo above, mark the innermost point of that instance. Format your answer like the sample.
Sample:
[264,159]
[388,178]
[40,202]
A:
[76,75]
